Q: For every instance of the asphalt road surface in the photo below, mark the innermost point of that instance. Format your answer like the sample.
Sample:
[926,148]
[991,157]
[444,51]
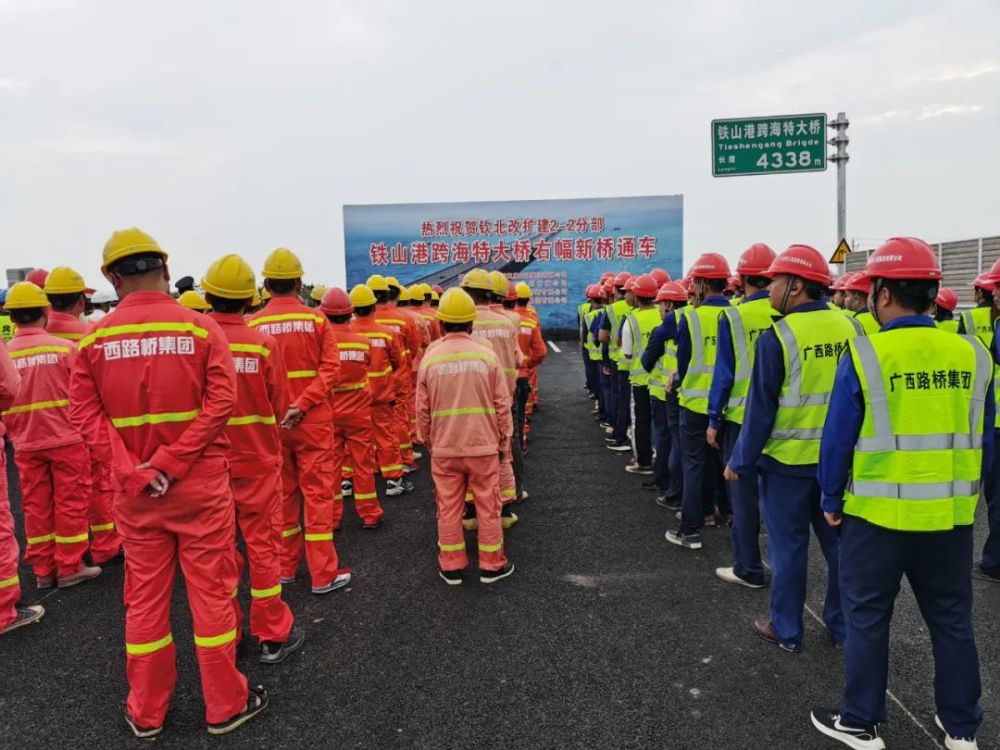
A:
[605,636]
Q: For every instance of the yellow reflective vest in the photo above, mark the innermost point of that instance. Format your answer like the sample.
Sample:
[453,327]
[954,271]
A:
[948,325]
[666,365]
[6,327]
[979,322]
[703,326]
[641,322]
[746,322]
[592,347]
[868,322]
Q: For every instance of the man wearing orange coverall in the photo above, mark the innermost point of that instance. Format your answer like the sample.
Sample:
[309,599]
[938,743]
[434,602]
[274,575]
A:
[420,297]
[50,455]
[529,338]
[67,292]
[386,359]
[399,302]
[12,616]
[524,306]
[352,410]
[464,420]
[255,454]
[155,381]
[312,364]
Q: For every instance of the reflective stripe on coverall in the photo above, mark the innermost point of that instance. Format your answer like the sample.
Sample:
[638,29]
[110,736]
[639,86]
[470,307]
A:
[387,357]
[10,587]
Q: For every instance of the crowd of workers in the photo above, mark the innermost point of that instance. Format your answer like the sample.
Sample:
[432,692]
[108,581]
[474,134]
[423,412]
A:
[149,428]
[847,406]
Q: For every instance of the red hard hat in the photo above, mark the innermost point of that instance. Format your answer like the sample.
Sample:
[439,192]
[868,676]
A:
[672,291]
[994,272]
[607,275]
[621,278]
[511,292]
[595,291]
[438,288]
[336,302]
[645,286]
[904,258]
[710,266]
[37,276]
[838,283]
[733,283]
[802,261]
[983,281]
[755,260]
[660,276]
[946,299]
[629,284]
[858,282]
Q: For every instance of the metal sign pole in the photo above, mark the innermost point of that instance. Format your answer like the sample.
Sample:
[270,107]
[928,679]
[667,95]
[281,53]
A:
[840,140]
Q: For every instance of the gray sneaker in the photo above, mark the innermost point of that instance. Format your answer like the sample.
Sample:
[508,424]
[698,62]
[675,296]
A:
[688,541]
[25,616]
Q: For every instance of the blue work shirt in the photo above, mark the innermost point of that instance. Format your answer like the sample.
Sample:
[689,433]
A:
[595,326]
[657,343]
[766,379]
[846,413]
[724,374]
[684,338]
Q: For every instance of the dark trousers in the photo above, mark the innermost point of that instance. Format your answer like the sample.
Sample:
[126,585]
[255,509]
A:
[521,393]
[937,564]
[623,389]
[701,466]
[661,442]
[607,394]
[642,425]
[675,472]
[593,378]
[790,505]
[991,489]
[745,501]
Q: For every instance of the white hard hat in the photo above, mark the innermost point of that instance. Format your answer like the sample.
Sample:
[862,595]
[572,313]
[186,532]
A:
[101,297]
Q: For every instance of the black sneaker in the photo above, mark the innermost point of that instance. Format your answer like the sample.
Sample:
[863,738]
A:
[492,576]
[373,526]
[682,539]
[25,616]
[451,577]
[257,701]
[827,720]
[143,733]
[670,503]
[272,652]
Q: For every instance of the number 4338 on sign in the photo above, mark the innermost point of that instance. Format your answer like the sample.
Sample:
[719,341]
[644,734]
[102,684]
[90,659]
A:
[768,145]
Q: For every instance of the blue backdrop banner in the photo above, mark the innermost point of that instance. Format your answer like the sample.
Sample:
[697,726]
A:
[557,246]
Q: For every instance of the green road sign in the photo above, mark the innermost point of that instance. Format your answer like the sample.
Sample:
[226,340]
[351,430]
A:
[768,145]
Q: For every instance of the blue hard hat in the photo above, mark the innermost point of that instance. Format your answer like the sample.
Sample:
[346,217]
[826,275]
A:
[3,296]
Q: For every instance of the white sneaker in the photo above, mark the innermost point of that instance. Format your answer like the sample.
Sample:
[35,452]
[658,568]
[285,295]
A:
[394,487]
[417,455]
[346,488]
[609,430]
[956,743]
[729,576]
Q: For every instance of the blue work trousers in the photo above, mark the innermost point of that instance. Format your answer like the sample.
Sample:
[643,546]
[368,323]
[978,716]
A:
[702,469]
[661,443]
[608,390]
[745,501]
[623,389]
[990,563]
[675,473]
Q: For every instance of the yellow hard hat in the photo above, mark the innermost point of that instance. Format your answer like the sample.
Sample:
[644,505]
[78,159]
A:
[435,297]
[404,294]
[265,295]
[499,282]
[24,295]
[417,293]
[317,293]
[128,242]
[523,290]
[257,299]
[362,296]
[392,281]
[193,301]
[427,289]
[283,264]
[477,278]
[457,307]
[230,277]
[377,283]
[64,280]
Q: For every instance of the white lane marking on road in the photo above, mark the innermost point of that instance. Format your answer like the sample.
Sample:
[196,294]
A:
[555,348]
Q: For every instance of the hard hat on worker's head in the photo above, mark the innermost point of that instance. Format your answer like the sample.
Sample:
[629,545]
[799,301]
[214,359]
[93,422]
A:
[477,278]
[660,276]
[194,301]
[427,289]
[393,282]
[609,286]
[595,292]
[607,275]
[621,278]
[404,293]
[984,281]
[523,290]
[733,283]
[3,296]
[710,266]
[837,284]
[946,299]
[336,301]
[803,261]
[672,291]
[265,295]
[457,307]
[283,264]
[257,299]
[377,283]
[859,282]
[417,293]
[435,297]
[64,280]
[645,287]
[755,260]
[230,277]
[104,297]
[499,282]
[629,284]
[25,295]
[128,242]
[37,276]
[511,292]
[318,290]
[904,258]
[437,288]
[362,296]
[994,272]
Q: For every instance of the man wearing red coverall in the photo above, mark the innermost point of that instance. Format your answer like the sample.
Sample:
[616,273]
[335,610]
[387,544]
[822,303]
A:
[532,345]
[155,381]
[312,365]
[255,454]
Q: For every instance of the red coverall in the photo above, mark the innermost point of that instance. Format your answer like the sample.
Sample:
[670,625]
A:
[403,324]
[155,381]
[104,541]
[533,374]
[255,462]
[309,351]
[10,587]
[51,458]
[387,358]
[533,347]
[463,418]
[352,423]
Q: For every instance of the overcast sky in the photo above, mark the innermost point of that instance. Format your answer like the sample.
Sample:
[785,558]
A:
[239,126]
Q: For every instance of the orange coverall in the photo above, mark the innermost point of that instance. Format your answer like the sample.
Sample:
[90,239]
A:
[533,374]
[387,358]
[309,351]
[408,328]
[533,347]
[104,541]
[463,418]
[255,462]
[429,314]
[156,383]
[51,458]
[10,586]
[352,424]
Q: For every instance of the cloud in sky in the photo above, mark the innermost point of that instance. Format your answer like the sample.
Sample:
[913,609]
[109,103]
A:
[241,126]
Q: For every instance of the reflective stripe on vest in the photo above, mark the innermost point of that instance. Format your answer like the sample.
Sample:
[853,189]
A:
[593,349]
[642,322]
[616,315]
[746,322]
[703,326]
[948,325]
[979,322]
[868,323]
[913,379]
